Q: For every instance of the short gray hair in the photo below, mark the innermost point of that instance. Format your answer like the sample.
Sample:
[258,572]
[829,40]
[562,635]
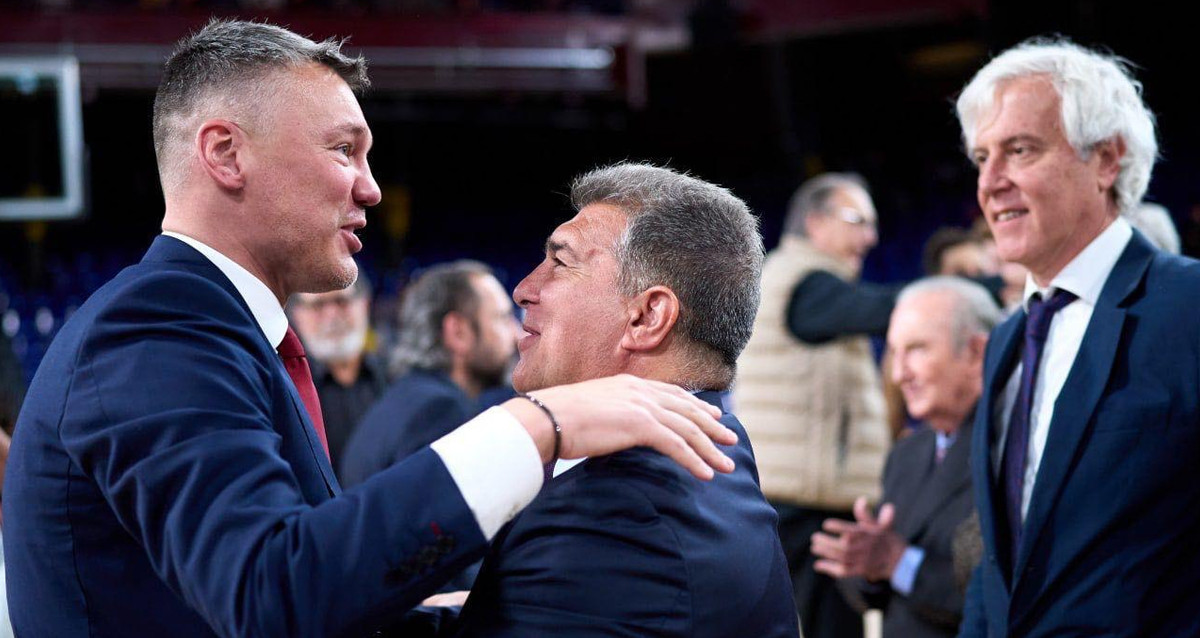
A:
[229,59]
[1154,221]
[1100,100]
[812,198]
[697,239]
[974,312]
[437,292]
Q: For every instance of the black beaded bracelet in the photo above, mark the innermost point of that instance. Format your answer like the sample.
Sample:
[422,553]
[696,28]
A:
[553,421]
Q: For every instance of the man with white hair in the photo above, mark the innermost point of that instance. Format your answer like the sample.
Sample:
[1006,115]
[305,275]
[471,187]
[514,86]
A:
[1086,447]
[902,561]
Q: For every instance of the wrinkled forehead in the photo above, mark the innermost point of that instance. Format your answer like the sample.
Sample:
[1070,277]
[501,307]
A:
[854,198]
[1015,101]
[491,293]
[926,315]
[595,229]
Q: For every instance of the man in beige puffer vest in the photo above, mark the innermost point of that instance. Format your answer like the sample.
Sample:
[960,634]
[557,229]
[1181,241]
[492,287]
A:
[809,390]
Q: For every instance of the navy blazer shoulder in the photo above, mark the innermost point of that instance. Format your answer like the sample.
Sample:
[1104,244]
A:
[165,480]
[633,545]
[1109,539]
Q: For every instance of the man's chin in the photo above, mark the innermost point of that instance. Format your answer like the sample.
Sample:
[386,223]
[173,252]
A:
[523,381]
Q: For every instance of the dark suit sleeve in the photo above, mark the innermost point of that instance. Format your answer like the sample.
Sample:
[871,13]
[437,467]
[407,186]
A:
[935,593]
[824,307]
[170,414]
[625,577]
[974,624]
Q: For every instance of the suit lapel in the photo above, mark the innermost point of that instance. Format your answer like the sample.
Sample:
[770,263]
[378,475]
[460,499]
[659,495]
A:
[946,480]
[169,249]
[1003,348]
[1082,390]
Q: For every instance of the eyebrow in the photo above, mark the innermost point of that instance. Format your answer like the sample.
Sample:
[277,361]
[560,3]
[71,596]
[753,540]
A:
[356,130]
[1013,139]
[554,246]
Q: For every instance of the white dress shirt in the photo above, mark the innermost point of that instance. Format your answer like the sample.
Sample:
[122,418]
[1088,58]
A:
[1084,277]
[491,458]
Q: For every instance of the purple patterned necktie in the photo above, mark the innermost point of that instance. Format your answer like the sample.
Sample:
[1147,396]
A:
[1016,446]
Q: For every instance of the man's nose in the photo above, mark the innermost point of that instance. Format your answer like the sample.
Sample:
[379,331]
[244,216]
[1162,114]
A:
[366,190]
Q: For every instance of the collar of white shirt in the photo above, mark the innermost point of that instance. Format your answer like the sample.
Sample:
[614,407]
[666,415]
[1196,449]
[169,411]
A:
[262,302]
[1086,274]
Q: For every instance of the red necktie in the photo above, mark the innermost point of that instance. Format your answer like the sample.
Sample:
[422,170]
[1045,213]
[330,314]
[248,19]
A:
[296,365]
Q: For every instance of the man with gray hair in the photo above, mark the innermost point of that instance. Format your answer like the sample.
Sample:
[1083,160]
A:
[810,392]
[169,474]
[1086,450]
[902,560]
[333,326]
[657,276]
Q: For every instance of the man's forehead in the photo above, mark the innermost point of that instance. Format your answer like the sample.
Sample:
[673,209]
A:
[856,198]
[1019,105]
[596,226]
[929,311]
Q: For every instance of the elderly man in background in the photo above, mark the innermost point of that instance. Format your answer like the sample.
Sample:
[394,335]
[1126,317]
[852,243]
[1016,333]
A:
[1155,223]
[903,560]
[657,276]
[809,390]
[168,474]
[333,327]
[457,338]
[1086,450]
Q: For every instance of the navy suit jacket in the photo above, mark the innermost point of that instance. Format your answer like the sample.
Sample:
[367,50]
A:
[633,545]
[165,481]
[1110,540]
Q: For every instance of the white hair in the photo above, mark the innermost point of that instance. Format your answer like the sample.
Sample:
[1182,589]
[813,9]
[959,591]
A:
[1100,100]
[974,312]
[1156,224]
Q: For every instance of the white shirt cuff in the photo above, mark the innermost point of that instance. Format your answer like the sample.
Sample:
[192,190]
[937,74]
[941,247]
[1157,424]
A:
[495,465]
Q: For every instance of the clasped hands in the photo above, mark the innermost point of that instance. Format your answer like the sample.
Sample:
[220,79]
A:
[866,547]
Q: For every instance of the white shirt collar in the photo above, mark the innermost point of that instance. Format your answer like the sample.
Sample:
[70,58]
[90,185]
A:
[263,305]
[1086,274]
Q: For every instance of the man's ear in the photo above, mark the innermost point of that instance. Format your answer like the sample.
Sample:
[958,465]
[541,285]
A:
[976,347]
[652,316]
[458,335]
[1109,153]
[220,145]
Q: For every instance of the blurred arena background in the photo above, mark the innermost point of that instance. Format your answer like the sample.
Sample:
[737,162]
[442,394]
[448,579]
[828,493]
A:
[482,110]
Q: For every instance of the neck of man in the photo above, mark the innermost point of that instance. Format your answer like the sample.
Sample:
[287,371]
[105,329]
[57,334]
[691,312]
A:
[677,369]
[345,371]
[193,222]
[462,377]
[1086,233]
[950,421]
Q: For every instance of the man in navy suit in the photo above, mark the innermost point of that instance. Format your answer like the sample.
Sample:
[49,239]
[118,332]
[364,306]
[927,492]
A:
[168,474]
[657,276]
[1086,448]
